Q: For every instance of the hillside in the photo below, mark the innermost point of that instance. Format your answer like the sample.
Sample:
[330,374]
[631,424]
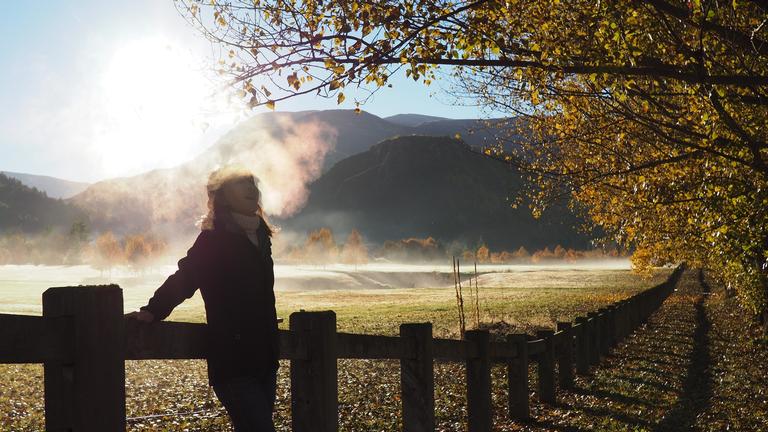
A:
[286,150]
[430,186]
[52,186]
[29,210]
[352,133]
[346,133]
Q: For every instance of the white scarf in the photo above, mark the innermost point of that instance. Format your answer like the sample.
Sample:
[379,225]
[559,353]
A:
[249,224]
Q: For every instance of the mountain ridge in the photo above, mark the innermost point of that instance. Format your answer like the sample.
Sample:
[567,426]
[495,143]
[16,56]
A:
[54,187]
[29,210]
[420,186]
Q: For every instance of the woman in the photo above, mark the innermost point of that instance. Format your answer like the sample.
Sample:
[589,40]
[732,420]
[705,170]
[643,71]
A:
[231,264]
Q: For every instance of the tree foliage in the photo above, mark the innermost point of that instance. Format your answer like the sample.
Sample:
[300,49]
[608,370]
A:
[354,250]
[651,114]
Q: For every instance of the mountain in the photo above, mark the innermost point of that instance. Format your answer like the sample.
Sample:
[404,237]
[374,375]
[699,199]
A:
[412,120]
[165,201]
[30,210]
[289,148]
[419,186]
[52,186]
[352,133]
[477,133]
[345,132]
[376,173]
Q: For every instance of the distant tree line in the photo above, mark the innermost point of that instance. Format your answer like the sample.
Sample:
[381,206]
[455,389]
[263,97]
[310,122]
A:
[321,247]
[78,247]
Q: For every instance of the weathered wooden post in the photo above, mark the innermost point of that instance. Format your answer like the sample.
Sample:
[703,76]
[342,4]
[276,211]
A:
[546,367]
[314,380]
[621,320]
[621,317]
[87,394]
[634,314]
[517,378]
[594,339]
[479,411]
[565,355]
[582,346]
[610,315]
[602,322]
[417,380]
[645,298]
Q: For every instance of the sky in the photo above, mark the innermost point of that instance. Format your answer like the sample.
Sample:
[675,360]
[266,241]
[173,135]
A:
[95,89]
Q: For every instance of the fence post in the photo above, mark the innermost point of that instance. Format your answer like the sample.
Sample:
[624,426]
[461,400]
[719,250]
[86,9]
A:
[417,380]
[565,355]
[314,380]
[621,320]
[610,315]
[634,314]
[546,367]
[479,383]
[89,393]
[594,339]
[602,322]
[582,347]
[517,378]
[645,302]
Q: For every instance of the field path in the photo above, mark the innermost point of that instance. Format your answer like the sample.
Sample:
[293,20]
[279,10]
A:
[692,367]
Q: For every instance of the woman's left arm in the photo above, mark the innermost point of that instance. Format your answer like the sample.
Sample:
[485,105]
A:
[185,281]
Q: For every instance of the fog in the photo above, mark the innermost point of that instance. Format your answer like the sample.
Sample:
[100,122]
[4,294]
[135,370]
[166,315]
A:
[284,156]
[22,286]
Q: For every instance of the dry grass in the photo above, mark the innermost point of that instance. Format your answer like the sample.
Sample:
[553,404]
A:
[368,390]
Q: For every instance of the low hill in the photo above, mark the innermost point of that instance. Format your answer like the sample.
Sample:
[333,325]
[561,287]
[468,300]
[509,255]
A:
[30,210]
[52,186]
[420,186]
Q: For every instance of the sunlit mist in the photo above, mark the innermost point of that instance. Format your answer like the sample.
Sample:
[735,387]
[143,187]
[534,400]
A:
[159,100]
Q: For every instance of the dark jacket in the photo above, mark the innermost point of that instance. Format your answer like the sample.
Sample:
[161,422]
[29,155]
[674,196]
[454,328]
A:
[236,280]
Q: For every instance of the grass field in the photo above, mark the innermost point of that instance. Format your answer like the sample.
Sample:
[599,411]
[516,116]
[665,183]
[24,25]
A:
[522,298]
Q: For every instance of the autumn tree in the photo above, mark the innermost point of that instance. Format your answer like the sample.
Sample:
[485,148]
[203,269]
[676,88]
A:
[109,251]
[649,114]
[320,247]
[411,249]
[354,250]
[521,254]
[483,254]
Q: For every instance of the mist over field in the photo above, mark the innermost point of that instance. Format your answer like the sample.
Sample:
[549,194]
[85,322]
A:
[22,285]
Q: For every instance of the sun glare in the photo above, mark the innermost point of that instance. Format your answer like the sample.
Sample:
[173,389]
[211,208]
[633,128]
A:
[158,106]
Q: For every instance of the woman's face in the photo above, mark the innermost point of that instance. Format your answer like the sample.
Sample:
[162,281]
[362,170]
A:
[242,195]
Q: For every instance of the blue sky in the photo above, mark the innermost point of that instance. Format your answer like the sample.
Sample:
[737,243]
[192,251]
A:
[70,73]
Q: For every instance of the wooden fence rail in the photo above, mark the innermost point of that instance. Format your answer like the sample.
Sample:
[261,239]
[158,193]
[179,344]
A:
[83,340]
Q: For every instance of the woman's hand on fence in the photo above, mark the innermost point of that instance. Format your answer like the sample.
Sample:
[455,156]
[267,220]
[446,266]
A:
[142,315]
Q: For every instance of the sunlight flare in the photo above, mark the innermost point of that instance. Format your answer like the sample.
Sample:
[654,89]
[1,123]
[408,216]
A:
[158,105]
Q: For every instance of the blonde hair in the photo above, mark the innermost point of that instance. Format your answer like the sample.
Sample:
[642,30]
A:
[217,203]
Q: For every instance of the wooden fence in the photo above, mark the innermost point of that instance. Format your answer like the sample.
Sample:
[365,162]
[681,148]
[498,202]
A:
[83,340]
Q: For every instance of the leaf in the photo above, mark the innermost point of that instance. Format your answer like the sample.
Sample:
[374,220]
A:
[270,104]
[340,98]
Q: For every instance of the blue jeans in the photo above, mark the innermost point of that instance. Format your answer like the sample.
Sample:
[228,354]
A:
[249,401]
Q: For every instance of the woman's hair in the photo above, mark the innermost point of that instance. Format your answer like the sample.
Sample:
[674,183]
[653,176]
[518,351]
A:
[217,202]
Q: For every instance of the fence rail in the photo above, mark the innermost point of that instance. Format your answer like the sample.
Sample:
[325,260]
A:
[83,340]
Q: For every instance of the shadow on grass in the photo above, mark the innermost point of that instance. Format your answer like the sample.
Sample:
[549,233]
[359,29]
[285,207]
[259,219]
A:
[659,381]
[697,386]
